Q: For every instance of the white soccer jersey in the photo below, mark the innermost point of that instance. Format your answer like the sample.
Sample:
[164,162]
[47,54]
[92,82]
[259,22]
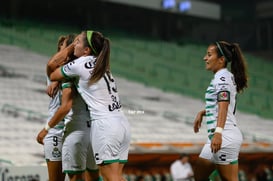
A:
[222,88]
[53,106]
[110,133]
[102,97]
[79,111]
[53,140]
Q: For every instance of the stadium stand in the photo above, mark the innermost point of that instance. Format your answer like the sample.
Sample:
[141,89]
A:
[168,66]
[160,122]
[155,81]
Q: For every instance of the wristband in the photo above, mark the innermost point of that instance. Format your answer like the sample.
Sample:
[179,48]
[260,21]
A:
[47,127]
[218,130]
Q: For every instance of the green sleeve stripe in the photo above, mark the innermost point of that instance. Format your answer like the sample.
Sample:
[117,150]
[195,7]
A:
[66,85]
[59,127]
[63,73]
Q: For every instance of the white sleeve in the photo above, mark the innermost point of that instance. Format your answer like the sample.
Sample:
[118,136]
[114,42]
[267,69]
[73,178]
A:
[81,67]
[223,88]
[70,69]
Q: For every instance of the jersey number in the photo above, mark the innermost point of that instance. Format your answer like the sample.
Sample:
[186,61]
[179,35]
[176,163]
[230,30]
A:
[55,141]
[111,86]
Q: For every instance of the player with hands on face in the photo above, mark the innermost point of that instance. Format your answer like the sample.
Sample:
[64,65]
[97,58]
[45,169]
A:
[110,129]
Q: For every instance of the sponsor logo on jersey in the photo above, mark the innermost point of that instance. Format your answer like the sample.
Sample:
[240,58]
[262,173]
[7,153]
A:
[223,79]
[66,67]
[223,157]
[223,88]
[89,65]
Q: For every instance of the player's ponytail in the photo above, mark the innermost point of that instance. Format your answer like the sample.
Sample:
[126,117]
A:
[232,53]
[239,68]
[100,47]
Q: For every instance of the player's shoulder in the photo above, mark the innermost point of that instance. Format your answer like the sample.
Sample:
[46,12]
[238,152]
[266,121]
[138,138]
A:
[86,58]
[222,75]
[83,60]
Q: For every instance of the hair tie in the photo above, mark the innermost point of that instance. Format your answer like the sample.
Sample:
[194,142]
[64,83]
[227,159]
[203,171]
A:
[221,51]
[89,34]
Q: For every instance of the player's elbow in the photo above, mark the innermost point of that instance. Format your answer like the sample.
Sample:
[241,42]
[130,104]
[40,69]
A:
[52,77]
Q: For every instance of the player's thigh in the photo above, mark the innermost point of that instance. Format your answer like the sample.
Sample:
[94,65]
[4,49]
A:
[202,169]
[228,172]
[91,175]
[121,165]
[55,171]
[110,172]
[76,177]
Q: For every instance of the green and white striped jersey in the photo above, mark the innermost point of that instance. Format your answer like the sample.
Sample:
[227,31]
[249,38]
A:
[222,88]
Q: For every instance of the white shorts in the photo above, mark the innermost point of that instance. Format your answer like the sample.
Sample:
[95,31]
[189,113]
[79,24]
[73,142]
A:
[231,143]
[53,143]
[111,139]
[77,152]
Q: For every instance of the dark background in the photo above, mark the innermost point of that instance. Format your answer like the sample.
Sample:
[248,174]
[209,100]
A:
[240,21]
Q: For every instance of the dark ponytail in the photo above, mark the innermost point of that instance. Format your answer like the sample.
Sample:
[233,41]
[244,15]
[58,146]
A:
[102,62]
[100,47]
[232,53]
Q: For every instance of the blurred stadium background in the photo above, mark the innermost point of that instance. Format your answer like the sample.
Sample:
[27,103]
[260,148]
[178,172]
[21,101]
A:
[157,51]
